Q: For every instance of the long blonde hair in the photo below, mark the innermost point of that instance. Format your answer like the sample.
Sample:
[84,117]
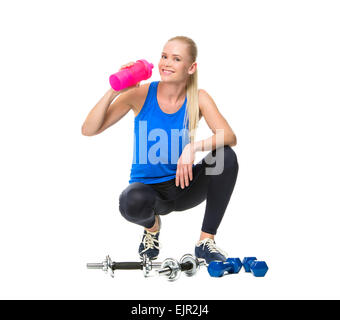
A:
[192,108]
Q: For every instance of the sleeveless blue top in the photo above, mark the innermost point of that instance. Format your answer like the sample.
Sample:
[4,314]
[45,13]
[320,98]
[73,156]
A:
[159,139]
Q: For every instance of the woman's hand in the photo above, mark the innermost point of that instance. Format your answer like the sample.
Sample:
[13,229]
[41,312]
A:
[184,166]
[124,66]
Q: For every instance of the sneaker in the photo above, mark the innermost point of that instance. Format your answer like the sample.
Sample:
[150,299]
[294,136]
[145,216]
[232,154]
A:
[150,243]
[207,251]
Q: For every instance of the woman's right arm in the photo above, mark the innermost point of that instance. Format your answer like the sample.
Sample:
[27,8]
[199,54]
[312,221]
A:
[97,116]
[105,113]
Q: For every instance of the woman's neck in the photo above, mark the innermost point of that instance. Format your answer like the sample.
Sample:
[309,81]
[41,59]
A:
[171,93]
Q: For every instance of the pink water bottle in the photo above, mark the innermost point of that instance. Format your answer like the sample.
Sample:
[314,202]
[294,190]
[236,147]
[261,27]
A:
[141,70]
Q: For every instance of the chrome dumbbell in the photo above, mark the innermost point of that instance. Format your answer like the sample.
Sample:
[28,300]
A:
[171,268]
[109,266]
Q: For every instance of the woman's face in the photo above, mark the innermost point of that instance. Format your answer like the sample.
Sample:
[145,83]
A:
[174,63]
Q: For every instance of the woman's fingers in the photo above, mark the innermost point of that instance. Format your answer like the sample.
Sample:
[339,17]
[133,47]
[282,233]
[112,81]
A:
[177,177]
[183,175]
[124,66]
[190,172]
[127,65]
[186,176]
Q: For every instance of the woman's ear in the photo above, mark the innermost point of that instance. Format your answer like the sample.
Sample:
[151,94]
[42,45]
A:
[193,68]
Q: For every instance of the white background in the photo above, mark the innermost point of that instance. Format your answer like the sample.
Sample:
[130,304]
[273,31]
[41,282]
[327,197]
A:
[272,67]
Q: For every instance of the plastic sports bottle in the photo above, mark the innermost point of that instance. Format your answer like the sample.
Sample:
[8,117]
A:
[141,70]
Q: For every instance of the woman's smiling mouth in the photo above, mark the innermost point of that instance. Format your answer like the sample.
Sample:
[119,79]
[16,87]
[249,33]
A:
[167,71]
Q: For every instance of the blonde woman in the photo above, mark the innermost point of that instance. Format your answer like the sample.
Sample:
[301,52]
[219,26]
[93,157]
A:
[163,175]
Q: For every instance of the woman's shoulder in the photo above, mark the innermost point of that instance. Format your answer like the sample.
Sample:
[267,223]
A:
[202,93]
[139,96]
[204,97]
[203,100]
[142,91]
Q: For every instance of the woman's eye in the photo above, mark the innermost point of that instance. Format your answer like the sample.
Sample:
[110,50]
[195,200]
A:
[177,59]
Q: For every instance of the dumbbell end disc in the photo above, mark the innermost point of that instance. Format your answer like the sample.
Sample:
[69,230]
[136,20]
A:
[259,268]
[195,265]
[171,269]
[246,263]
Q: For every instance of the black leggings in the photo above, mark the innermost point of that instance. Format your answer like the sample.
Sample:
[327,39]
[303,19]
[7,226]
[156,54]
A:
[214,178]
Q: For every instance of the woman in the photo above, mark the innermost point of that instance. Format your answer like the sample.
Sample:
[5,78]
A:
[160,184]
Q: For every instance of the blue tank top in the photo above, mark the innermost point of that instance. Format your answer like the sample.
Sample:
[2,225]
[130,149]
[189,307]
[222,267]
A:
[159,139]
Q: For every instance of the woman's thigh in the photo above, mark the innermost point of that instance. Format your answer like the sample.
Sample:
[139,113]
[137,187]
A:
[216,163]
[196,192]
[172,198]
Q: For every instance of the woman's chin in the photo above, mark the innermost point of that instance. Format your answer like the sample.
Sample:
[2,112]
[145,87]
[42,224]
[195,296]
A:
[166,78]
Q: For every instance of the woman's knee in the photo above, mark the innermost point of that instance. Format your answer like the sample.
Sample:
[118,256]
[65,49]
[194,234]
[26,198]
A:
[230,157]
[224,157]
[136,201]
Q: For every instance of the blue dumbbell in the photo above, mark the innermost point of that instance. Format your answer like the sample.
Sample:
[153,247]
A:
[257,268]
[219,268]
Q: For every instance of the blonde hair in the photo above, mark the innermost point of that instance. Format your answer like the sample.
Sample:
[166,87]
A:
[192,108]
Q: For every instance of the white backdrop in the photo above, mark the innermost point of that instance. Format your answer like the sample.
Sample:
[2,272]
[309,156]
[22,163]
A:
[272,67]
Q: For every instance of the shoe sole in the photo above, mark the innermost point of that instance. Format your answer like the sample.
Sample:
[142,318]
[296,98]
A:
[154,258]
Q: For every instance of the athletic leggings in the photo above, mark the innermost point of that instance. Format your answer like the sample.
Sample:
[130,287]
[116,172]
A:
[214,178]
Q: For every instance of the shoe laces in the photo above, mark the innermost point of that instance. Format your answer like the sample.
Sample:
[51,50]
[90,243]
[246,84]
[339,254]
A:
[150,242]
[210,243]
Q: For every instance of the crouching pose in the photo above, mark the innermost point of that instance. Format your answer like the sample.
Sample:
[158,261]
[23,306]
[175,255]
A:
[163,176]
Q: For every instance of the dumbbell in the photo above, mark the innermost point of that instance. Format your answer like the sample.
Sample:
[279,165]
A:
[109,266]
[257,268]
[171,268]
[219,268]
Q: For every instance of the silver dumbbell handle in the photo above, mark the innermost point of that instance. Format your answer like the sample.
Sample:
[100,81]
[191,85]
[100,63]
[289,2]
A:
[164,271]
[106,266]
[95,265]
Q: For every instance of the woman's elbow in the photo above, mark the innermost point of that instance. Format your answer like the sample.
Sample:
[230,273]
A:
[86,133]
[233,141]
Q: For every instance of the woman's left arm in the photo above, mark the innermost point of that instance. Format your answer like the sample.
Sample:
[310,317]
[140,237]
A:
[223,135]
